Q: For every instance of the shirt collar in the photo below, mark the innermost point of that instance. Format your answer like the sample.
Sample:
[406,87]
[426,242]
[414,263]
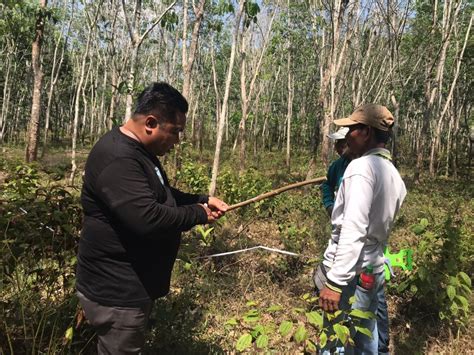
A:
[382,152]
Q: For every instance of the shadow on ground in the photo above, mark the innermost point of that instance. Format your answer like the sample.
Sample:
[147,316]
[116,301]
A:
[177,322]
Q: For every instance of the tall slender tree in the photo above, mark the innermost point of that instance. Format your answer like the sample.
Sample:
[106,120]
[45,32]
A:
[33,130]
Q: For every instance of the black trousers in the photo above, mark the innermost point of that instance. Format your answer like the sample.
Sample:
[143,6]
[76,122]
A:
[120,330]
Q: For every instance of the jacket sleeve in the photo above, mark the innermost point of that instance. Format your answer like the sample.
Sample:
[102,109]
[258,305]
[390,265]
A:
[183,198]
[328,187]
[358,194]
[124,189]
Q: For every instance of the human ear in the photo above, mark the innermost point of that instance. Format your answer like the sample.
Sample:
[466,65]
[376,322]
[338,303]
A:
[151,122]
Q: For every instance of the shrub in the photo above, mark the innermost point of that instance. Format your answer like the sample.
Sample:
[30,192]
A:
[40,228]
[439,282]
[234,188]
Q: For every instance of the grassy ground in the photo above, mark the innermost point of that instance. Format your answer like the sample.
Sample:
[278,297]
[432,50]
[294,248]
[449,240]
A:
[210,297]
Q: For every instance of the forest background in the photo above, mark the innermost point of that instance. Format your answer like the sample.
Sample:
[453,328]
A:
[264,80]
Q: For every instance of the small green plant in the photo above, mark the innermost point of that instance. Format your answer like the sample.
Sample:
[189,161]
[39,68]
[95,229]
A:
[206,235]
[437,282]
[265,328]
[294,237]
[22,184]
[458,290]
[193,177]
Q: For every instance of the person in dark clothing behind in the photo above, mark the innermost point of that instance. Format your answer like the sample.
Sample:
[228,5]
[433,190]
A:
[133,221]
[336,169]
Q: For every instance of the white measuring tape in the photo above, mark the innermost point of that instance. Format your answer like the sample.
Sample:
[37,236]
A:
[248,249]
[42,224]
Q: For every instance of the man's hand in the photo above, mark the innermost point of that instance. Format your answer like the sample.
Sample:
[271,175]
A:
[329,300]
[215,209]
[218,206]
[212,216]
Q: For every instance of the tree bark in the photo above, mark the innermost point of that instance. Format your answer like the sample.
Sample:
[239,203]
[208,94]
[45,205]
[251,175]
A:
[220,130]
[289,114]
[33,130]
[79,88]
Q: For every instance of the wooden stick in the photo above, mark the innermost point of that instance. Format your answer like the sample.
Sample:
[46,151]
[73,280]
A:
[276,192]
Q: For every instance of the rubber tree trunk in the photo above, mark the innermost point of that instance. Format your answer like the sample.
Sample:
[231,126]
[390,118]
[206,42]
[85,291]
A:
[220,129]
[33,130]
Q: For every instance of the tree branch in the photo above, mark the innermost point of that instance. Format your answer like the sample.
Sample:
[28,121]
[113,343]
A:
[157,21]
[276,192]
[129,27]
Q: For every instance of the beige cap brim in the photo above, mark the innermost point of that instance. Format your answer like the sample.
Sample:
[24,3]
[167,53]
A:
[345,122]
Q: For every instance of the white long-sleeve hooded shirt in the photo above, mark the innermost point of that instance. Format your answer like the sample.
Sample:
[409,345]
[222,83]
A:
[367,202]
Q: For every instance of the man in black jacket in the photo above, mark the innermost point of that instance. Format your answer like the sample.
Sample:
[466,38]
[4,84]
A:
[133,220]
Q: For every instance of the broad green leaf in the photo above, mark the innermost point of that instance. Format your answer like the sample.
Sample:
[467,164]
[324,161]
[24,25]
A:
[364,331]
[257,330]
[298,310]
[451,291]
[362,314]
[274,308]
[315,318]
[417,229]
[342,332]
[323,339]
[251,316]
[251,303]
[465,278]
[310,346]
[454,281]
[285,328]
[231,321]
[454,308]
[301,334]
[467,289]
[262,341]
[463,301]
[244,342]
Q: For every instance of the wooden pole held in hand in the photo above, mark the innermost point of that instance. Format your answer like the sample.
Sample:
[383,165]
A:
[276,192]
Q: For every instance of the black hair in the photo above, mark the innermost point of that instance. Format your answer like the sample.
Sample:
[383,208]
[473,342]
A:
[382,136]
[162,99]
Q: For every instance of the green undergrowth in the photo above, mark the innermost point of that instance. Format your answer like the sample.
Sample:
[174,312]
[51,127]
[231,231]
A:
[252,301]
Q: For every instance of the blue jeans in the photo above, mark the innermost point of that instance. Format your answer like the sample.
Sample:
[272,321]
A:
[365,300]
[382,323]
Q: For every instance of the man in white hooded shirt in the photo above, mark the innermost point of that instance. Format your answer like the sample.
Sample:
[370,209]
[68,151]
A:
[367,202]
